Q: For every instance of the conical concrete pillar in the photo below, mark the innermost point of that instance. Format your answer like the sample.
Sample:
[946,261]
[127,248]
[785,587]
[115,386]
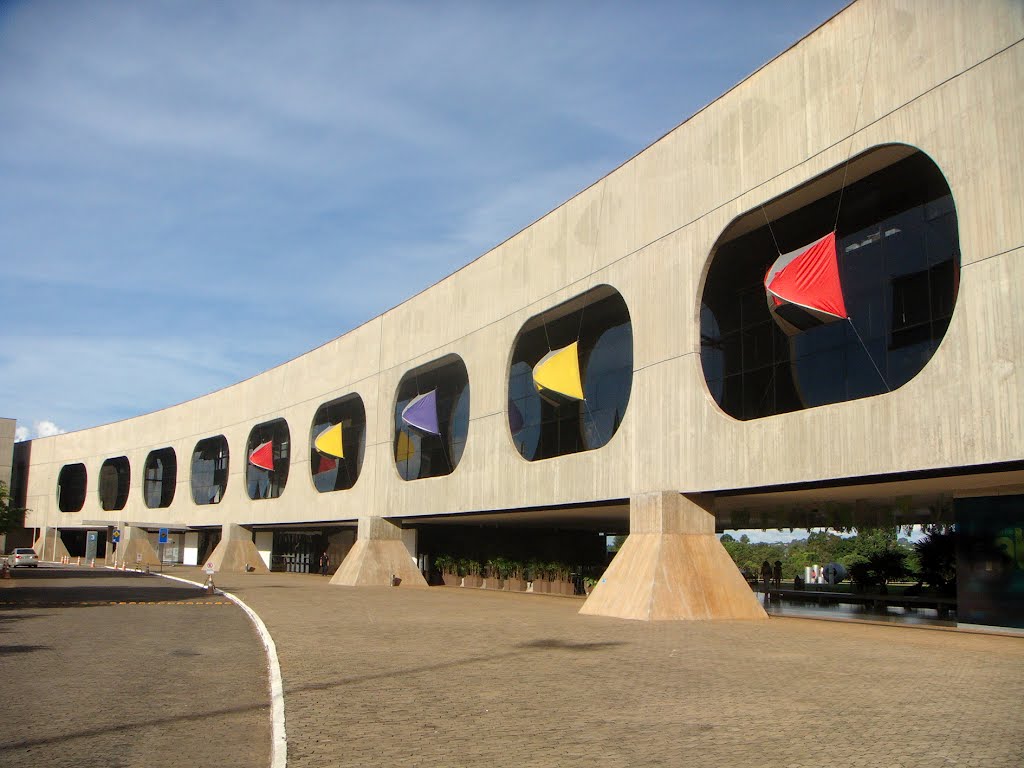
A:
[378,555]
[48,545]
[236,552]
[135,548]
[672,567]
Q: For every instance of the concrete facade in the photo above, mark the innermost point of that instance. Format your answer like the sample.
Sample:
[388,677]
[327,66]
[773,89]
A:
[942,77]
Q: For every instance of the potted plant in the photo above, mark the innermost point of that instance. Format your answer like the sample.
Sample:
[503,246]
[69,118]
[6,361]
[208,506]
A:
[449,568]
[492,573]
[561,583]
[539,577]
[469,570]
[513,576]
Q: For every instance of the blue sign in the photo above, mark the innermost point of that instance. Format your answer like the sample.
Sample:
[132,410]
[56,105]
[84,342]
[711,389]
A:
[116,535]
[163,535]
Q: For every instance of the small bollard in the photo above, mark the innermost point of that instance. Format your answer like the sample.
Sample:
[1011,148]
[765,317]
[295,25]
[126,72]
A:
[211,588]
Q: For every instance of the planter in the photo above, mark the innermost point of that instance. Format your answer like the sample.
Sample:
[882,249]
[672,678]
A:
[515,585]
[561,587]
[541,586]
[471,581]
[451,579]
[492,583]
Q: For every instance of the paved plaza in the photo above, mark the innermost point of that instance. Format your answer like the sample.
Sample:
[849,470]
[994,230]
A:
[449,677]
[124,671]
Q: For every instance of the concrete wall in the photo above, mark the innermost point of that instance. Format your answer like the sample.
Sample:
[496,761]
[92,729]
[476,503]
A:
[942,76]
[7,427]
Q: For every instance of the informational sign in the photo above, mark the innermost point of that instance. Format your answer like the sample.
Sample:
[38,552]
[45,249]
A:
[163,536]
[116,536]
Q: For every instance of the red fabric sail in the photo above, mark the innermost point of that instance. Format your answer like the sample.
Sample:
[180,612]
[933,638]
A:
[326,464]
[263,456]
[808,278]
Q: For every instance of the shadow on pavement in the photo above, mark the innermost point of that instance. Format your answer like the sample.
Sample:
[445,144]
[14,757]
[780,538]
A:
[199,717]
[57,572]
[554,644]
[74,587]
[10,650]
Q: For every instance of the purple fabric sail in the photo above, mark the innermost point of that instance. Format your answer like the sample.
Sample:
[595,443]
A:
[421,413]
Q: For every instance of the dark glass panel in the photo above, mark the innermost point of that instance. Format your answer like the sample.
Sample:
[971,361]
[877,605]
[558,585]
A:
[161,476]
[419,454]
[210,470]
[115,479]
[898,260]
[71,483]
[261,483]
[599,322]
[990,560]
[331,473]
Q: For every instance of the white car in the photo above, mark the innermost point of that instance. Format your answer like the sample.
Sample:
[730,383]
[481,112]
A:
[23,556]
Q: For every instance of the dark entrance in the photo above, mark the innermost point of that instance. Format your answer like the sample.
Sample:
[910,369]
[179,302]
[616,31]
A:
[77,543]
[297,551]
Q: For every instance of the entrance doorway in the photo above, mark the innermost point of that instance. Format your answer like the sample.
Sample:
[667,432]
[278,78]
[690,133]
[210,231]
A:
[297,551]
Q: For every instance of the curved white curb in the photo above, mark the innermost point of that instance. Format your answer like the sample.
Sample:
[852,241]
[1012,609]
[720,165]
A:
[279,740]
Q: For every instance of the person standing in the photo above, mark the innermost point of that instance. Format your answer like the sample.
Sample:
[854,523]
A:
[766,575]
[777,575]
[325,563]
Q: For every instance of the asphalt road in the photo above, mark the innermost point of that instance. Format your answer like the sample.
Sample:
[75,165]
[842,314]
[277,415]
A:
[99,668]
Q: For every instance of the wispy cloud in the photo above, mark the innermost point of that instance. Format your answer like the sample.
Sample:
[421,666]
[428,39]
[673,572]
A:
[39,429]
[173,175]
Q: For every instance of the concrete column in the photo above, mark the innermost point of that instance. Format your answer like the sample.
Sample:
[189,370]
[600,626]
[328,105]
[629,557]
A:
[672,567]
[378,555]
[48,545]
[135,548]
[236,552]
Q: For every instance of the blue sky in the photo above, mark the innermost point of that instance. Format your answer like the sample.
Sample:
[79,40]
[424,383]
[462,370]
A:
[192,192]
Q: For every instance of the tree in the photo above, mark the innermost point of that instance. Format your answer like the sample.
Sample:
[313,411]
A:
[11,517]
[936,555]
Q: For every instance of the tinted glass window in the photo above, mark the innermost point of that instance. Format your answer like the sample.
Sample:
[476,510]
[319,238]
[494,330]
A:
[115,478]
[210,470]
[332,472]
[543,427]
[160,478]
[430,434]
[898,259]
[71,483]
[268,453]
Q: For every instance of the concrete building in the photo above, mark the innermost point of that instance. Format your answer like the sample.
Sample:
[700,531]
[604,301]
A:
[896,125]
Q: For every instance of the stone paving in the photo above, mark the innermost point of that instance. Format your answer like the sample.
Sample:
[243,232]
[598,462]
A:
[122,670]
[452,678]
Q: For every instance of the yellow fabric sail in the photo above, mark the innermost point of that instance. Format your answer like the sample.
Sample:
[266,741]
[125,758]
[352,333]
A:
[558,374]
[329,442]
[405,449]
